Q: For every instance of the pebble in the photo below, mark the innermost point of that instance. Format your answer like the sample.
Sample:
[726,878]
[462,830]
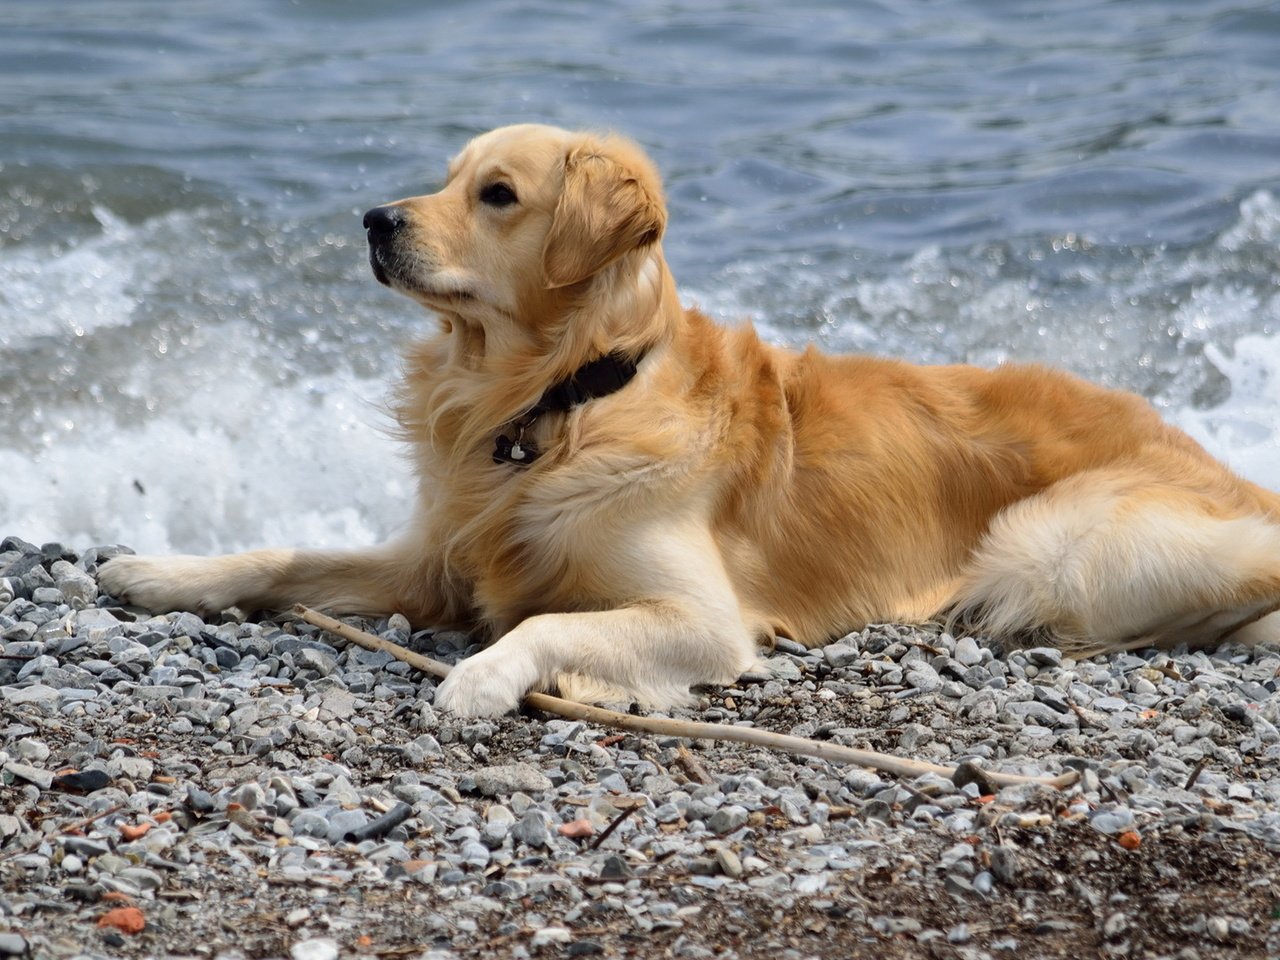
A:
[783,668]
[924,678]
[840,655]
[321,948]
[550,936]
[1218,929]
[1044,656]
[24,771]
[968,653]
[1004,864]
[615,868]
[727,819]
[729,862]
[1112,821]
[531,830]
[506,779]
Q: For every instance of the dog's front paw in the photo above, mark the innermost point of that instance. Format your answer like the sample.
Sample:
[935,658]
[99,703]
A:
[489,684]
[161,584]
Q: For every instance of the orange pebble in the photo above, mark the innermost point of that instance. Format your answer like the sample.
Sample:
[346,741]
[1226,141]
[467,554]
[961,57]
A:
[115,896]
[124,919]
[1130,840]
[164,816]
[132,831]
[576,829]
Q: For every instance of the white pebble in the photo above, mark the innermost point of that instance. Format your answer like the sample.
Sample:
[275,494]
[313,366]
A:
[547,936]
[322,948]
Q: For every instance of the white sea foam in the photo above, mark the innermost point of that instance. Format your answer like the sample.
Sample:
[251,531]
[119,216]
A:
[1259,222]
[96,283]
[1242,431]
[248,466]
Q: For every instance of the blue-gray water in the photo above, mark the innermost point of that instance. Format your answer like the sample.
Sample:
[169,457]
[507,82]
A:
[192,351]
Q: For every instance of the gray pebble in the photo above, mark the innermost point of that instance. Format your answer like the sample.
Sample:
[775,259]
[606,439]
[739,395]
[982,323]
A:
[531,830]
[727,819]
[783,668]
[31,774]
[142,878]
[923,677]
[615,868]
[1004,864]
[1044,656]
[729,862]
[1112,821]
[32,750]
[85,846]
[506,779]
[34,693]
[79,589]
[840,655]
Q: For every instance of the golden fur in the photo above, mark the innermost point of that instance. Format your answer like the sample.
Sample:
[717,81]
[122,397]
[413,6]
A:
[733,490]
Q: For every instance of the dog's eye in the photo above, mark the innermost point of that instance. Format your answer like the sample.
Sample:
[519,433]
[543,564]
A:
[498,195]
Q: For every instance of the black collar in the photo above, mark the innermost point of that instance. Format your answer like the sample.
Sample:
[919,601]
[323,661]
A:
[598,378]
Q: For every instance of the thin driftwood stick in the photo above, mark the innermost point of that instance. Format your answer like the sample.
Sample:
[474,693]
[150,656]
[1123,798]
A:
[692,766]
[665,726]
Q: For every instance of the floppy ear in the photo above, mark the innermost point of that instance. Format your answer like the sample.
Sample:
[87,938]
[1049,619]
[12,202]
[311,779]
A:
[606,209]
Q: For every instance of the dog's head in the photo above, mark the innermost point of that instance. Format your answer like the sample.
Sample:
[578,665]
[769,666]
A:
[528,214]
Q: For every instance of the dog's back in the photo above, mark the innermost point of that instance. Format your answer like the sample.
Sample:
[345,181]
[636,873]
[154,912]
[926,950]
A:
[1022,501]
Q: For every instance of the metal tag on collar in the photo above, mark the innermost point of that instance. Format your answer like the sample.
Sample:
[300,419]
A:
[519,451]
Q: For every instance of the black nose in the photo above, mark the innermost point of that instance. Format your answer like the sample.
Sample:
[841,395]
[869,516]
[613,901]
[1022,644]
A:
[383,220]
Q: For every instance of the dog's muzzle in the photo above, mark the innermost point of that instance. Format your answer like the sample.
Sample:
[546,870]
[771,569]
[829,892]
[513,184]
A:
[381,225]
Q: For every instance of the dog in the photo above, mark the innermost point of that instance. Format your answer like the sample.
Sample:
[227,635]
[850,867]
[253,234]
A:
[631,499]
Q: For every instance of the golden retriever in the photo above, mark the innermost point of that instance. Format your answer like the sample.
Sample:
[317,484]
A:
[639,535]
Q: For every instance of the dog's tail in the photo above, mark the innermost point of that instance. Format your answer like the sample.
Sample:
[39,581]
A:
[1118,558]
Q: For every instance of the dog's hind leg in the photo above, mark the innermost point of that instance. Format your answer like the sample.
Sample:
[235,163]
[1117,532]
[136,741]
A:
[1117,559]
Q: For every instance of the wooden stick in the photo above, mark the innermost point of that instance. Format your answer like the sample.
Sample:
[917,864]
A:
[692,767]
[1195,773]
[666,726]
[608,831]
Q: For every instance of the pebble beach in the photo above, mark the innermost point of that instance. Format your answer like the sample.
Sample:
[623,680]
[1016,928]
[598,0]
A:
[182,787]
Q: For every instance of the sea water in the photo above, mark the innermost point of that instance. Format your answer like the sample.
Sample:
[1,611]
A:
[194,356]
